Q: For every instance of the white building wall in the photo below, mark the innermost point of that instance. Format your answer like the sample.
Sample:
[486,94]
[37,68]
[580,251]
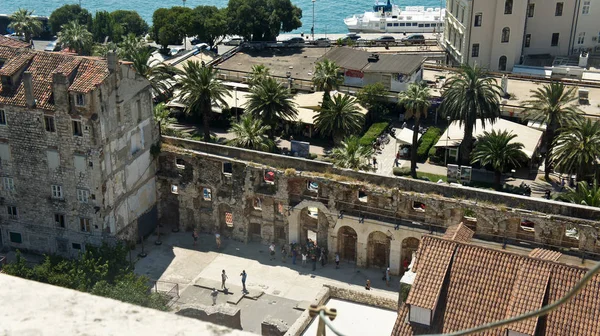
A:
[588,27]
[515,22]
[544,23]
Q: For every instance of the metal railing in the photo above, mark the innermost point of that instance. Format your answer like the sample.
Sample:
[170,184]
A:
[168,289]
[326,315]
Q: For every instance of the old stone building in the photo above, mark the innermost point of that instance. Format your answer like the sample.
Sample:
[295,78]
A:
[75,162]
[371,220]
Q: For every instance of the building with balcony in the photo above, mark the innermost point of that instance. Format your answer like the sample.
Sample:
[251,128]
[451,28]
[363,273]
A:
[75,162]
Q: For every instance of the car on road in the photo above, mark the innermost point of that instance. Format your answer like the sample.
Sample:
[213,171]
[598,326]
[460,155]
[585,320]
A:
[202,46]
[385,39]
[323,42]
[350,38]
[413,39]
[294,42]
[52,46]
[234,41]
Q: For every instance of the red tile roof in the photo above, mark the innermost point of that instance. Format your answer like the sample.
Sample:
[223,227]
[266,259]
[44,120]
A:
[85,74]
[9,42]
[541,253]
[459,233]
[481,285]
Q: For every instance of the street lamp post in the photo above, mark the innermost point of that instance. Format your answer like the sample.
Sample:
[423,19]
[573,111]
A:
[447,137]
[312,30]
[235,98]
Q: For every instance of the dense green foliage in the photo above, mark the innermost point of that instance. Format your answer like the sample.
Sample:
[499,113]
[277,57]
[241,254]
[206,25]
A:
[327,77]
[171,25]
[584,194]
[351,154]
[428,139]
[128,22]
[577,149]
[69,13]
[552,104]
[24,24]
[498,150]
[271,102]
[103,26]
[209,24]
[76,37]
[401,171]
[470,96]
[262,20]
[373,132]
[250,133]
[416,101]
[102,270]
[340,117]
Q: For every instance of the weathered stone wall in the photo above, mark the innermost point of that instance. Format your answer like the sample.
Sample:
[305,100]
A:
[111,161]
[365,297]
[370,213]
[273,327]
[227,316]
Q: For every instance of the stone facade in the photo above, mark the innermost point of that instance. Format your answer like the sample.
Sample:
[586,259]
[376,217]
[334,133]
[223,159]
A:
[77,171]
[370,223]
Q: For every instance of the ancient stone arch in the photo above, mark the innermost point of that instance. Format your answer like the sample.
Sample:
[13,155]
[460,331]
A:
[347,243]
[300,224]
[378,250]
[409,246]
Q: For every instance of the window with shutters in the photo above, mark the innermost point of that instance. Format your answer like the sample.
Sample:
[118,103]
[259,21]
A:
[49,124]
[12,212]
[84,225]
[57,191]
[83,195]
[8,183]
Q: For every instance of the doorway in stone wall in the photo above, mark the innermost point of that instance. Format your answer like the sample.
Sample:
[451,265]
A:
[347,239]
[378,250]
[409,246]
[312,235]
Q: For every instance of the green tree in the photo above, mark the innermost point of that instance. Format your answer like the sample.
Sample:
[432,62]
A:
[162,118]
[416,101]
[498,150]
[210,24]
[577,148]
[584,194]
[129,22]
[102,26]
[352,154]
[262,20]
[271,102]
[23,23]
[258,73]
[373,97]
[132,289]
[341,117]
[327,77]
[171,25]
[468,96]
[161,76]
[102,49]
[200,88]
[250,133]
[75,37]
[130,46]
[69,13]
[552,104]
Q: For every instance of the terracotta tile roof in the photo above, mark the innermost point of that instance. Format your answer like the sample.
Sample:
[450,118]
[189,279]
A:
[425,293]
[541,253]
[459,233]
[8,42]
[85,74]
[482,285]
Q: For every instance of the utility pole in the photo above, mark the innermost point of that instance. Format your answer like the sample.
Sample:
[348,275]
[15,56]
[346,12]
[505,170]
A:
[312,30]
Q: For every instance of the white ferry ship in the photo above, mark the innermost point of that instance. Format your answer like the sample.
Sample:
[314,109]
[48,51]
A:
[390,18]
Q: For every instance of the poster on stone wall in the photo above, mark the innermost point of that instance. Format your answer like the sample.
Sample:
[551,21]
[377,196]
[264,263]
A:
[453,173]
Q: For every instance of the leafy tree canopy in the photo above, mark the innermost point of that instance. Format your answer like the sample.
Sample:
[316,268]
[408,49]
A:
[209,24]
[102,26]
[69,13]
[171,25]
[262,20]
[130,22]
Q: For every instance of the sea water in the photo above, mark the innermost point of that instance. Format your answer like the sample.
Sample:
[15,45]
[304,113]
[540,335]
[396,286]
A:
[329,14]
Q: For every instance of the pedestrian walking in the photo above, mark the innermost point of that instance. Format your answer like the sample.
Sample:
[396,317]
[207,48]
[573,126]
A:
[374,162]
[304,259]
[195,236]
[213,295]
[283,253]
[218,240]
[244,275]
[272,251]
[396,163]
[387,277]
[223,279]
[337,260]
[294,255]
[314,262]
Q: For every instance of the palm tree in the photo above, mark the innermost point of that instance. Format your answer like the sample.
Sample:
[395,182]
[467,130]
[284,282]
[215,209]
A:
[584,194]
[162,118]
[23,23]
[340,117]
[271,102]
[327,77]
[250,133]
[76,37]
[352,154]
[468,96]
[258,73]
[200,88]
[552,104]
[416,101]
[497,150]
[161,76]
[577,148]
[130,46]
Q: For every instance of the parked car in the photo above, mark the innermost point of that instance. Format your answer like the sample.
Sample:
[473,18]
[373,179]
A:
[202,46]
[176,51]
[52,46]
[294,42]
[350,38]
[323,42]
[385,39]
[413,39]
[234,41]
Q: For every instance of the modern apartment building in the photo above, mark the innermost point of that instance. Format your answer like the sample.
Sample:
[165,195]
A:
[75,162]
[497,34]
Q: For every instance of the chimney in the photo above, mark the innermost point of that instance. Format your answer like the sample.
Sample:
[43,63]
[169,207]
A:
[28,85]
[111,58]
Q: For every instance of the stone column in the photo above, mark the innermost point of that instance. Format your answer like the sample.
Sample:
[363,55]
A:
[362,250]
[394,258]
[294,226]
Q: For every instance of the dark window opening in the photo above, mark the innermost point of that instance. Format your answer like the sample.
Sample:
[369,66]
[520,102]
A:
[269,177]
[280,232]
[77,131]
[478,19]
[475,50]
[227,168]
[59,220]
[559,9]
[527,40]
[508,5]
[362,196]
[76,246]
[312,186]
[49,124]
[418,206]
[255,229]
[554,41]
[502,63]
[15,237]
[179,163]
[530,10]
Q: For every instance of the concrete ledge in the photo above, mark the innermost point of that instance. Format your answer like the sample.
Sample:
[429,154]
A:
[372,298]
[222,315]
[303,321]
